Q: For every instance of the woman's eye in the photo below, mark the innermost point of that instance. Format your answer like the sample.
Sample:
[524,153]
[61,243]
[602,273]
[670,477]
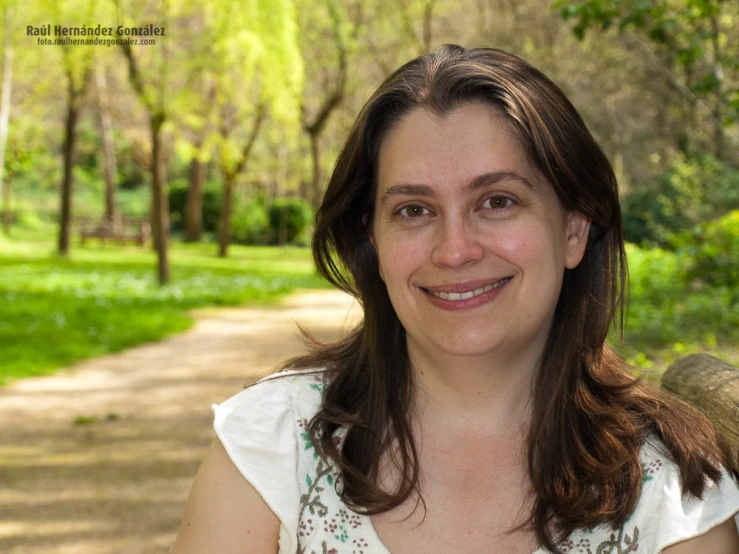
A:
[498,202]
[413,211]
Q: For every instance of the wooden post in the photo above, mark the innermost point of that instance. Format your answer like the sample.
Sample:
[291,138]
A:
[712,386]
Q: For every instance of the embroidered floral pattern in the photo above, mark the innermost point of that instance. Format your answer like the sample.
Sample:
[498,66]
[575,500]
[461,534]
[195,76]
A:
[619,541]
[580,547]
[314,502]
[621,544]
[648,471]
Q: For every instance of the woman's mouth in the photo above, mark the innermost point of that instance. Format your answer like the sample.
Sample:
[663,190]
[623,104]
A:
[462,299]
[468,294]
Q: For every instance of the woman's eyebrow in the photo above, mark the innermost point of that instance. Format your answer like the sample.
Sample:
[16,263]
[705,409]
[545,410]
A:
[487,179]
[479,182]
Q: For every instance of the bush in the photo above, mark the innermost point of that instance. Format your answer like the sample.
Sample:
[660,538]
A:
[688,297]
[690,191]
[28,220]
[177,194]
[714,251]
[289,219]
[212,200]
[250,224]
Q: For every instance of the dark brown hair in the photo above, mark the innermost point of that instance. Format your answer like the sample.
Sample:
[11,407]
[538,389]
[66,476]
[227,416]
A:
[590,416]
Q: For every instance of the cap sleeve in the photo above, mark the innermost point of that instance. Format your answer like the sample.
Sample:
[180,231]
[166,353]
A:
[675,518]
[257,430]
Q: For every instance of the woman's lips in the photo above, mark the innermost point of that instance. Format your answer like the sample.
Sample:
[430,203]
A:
[464,296]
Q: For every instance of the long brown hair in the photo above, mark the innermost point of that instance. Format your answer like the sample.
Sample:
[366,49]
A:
[590,416]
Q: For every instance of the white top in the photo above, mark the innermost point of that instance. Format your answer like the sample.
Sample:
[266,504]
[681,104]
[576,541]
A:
[263,429]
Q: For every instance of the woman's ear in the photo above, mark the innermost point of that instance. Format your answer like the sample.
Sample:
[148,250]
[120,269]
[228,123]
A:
[368,227]
[578,229]
[370,233]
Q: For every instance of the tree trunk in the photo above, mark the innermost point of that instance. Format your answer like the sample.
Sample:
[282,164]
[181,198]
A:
[5,110]
[225,223]
[70,140]
[194,206]
[316,192]
[106,132]
[712,386]
[159,203]
[719,99]
[7,214]
[428,18]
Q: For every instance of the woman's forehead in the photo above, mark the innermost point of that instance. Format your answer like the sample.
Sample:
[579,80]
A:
[472,141]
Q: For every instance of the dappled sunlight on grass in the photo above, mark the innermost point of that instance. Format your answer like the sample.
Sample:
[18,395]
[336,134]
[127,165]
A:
[106,298]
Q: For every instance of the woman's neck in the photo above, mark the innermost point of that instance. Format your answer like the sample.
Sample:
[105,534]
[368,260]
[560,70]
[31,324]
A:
[471,395]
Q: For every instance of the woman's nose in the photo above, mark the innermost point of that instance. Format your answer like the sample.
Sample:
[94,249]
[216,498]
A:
[456,244]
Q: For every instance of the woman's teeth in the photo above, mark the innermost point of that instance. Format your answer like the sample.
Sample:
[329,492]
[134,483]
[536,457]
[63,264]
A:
[469,294]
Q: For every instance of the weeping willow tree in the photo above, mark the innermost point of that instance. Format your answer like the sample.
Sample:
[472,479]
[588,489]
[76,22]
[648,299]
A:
[256,72]
[247,51]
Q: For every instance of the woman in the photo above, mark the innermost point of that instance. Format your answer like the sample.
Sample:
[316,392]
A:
[477,407]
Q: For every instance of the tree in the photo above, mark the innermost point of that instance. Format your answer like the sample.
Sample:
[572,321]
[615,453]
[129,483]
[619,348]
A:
[197,148]
[106,135]
[342,35]
[198,170]
[256,68]
[77,64]
[394,32]
[7,84]
[692,51]
[157,75]
[232,163]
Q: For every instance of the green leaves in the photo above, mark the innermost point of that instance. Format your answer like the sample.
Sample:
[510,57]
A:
[690,33]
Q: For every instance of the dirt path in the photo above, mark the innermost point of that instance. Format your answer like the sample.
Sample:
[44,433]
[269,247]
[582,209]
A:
[120,484]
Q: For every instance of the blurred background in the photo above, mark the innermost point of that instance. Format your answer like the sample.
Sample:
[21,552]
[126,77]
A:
[140,181]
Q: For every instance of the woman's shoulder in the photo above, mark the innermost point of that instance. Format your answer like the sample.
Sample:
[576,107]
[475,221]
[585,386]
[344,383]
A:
[262,429]
[293,394]
[666,514]
[261,426]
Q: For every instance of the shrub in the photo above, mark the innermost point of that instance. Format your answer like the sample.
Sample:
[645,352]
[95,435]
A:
[714,251]
[28,219]
[212,202]
[212,199]
[688,297]
[289,219]
[690,191]
[250,224]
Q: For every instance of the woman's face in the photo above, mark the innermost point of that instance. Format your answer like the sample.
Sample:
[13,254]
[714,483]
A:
[471,239]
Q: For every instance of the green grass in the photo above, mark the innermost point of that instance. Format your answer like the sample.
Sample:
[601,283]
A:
[105,298]
[671,315]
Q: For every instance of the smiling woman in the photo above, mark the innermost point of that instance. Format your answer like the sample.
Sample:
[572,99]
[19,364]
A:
[477,407]
[477,268]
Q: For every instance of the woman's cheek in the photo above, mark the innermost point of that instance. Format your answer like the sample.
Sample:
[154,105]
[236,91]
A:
[513,244]
[405,252]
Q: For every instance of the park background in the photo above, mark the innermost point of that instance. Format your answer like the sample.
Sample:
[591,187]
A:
[215,144]
[217,141]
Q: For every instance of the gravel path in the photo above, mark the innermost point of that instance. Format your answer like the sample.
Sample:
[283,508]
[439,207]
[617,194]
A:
[119,483]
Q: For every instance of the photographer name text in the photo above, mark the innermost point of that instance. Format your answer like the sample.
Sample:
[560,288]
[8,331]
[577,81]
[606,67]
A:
[94,31]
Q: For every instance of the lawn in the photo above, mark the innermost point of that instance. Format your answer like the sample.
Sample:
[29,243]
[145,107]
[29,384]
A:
[105,298]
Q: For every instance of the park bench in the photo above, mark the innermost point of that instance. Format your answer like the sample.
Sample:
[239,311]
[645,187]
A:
[121,230]
[712,386]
